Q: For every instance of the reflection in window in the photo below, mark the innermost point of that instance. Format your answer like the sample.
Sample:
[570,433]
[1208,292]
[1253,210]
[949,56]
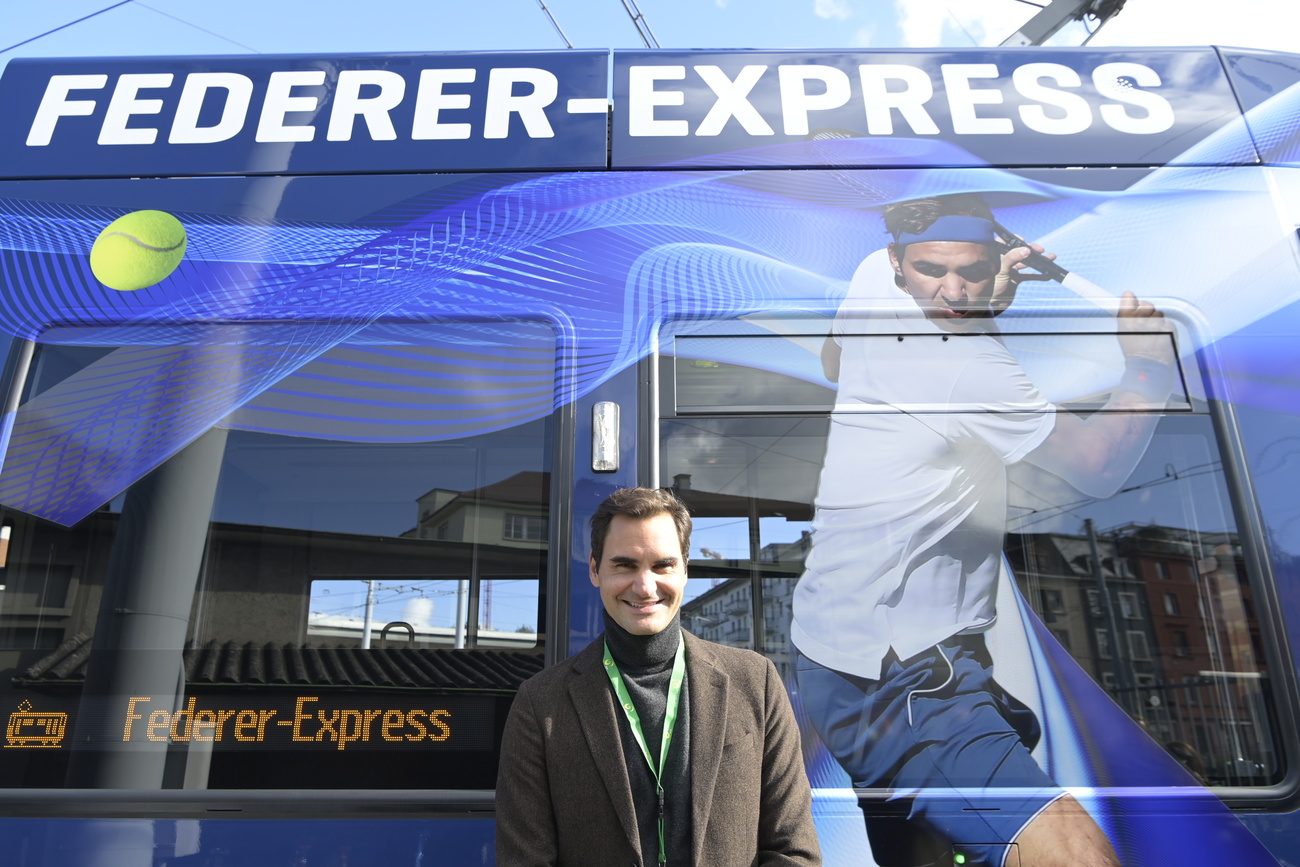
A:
[749,486]
[526,528]
[367,586]
[1195,679]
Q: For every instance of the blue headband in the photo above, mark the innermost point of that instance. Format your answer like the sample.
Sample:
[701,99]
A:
[952,227]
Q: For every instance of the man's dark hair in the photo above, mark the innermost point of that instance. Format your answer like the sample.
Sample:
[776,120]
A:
[917,215]
[639,503]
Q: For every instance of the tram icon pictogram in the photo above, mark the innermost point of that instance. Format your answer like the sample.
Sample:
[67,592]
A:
[35,729]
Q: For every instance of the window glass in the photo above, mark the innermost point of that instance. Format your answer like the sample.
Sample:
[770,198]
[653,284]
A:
[1145,588]
[344,574]
[749,487]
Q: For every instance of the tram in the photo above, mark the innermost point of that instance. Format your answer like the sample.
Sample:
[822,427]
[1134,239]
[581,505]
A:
[317,367]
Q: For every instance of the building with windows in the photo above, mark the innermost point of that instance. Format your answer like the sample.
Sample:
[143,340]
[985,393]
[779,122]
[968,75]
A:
[511,512]
[1166,624]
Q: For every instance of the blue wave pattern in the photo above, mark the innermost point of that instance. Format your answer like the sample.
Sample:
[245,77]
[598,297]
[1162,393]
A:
[603,258]
[546,249]
[72,447]
[1275,126]
[414,383]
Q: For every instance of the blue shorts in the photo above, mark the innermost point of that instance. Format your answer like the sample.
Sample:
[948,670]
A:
[948,742]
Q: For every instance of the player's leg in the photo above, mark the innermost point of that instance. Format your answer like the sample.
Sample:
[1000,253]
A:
[1064,834]
[951,745]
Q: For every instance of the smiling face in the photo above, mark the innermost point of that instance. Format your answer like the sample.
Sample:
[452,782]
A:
[952,281]
[642,573]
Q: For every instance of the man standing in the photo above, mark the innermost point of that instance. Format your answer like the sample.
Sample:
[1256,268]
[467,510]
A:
[652,746]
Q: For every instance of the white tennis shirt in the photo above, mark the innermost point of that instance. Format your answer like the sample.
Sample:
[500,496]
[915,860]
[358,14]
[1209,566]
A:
[911,506]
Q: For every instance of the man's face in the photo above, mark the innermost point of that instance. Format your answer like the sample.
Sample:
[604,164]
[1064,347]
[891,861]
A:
[642,575]
[952,281]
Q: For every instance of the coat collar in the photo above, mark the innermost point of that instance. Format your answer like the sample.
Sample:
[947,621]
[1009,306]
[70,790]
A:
[709,688]
[593,700]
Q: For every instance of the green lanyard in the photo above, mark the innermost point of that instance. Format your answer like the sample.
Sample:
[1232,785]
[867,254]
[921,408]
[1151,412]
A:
[670,719]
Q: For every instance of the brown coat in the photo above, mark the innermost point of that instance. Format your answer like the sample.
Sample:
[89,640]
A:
[563,793]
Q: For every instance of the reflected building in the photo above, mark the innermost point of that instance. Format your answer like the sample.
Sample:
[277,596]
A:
[512,512]
[725,613]
[1187,663]
[749,601]
[256,633]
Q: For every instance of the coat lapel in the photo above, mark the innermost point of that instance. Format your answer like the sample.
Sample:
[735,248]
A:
[709,688]
[593,701]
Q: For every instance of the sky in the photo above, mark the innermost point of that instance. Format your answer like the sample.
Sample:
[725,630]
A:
[91,28]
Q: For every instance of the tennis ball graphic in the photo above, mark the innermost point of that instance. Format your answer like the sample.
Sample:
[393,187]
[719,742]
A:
[138,250]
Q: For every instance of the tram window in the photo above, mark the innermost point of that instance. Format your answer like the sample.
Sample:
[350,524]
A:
[1159,562]
[749,485]
[356,560]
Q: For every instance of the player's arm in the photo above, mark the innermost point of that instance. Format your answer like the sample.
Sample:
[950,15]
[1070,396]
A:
[787,835]
[1096,454]
[831,352]
[525,832]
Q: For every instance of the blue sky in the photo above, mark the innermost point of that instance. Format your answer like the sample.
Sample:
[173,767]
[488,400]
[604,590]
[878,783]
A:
[180,27]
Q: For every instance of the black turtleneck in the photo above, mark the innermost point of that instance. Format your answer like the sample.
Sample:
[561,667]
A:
[646,663]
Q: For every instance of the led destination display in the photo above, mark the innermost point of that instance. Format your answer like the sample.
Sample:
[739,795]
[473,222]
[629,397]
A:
[314,722]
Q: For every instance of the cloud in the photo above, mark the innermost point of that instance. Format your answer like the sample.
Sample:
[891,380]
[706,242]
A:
[839,9]
[921,22]
[936,23]
[721,4]
[418,611]
[865,37]
[1167,22]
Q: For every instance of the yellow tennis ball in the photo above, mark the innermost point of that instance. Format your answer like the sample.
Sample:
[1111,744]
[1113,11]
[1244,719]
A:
[138,250]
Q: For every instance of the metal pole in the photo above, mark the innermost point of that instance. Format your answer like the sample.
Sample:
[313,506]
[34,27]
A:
[642,26]
[370,615]
[1056,15]
[144,615]
[462,610]
[758,634]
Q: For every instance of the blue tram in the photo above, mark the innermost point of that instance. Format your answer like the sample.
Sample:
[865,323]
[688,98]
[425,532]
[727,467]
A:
[317,366]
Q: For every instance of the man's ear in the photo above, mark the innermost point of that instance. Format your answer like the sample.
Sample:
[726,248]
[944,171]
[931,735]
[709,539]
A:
[899,280]
[591,571]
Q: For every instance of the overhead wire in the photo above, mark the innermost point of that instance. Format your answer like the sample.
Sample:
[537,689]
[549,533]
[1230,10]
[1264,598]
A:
[117,5]
[196,27]
[961,25]
[1035,516]
[639,22]
[556,24]
[65,26]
